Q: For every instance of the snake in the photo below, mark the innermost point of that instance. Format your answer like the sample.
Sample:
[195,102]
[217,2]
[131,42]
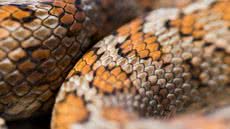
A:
[40,42]
[154,66]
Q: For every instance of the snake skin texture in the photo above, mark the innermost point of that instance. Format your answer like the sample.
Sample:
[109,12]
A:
[40,41]
[154,4]
[154,66]
[218,120]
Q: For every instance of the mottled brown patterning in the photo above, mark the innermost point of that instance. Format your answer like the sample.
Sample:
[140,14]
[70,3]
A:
[166,62]
[39,43]
[156,65]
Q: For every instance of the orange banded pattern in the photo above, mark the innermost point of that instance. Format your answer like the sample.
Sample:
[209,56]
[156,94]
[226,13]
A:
[35,50]
[187,67]
[40,40]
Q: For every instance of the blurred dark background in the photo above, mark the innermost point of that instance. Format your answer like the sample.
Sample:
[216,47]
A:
[35,123]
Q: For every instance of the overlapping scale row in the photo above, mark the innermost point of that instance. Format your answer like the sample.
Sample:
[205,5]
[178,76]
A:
[148,67]
[39,43]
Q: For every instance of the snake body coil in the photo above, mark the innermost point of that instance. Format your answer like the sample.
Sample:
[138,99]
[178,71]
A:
[39,43]
[152,66]
[155,66]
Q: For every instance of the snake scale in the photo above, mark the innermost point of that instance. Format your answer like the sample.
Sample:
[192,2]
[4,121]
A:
[40,42]
[155,66]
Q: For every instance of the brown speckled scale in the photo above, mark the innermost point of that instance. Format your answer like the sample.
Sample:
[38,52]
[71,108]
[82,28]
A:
[157,65]
[39,43]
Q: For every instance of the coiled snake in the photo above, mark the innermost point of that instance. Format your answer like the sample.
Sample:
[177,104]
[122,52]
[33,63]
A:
[156,65]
